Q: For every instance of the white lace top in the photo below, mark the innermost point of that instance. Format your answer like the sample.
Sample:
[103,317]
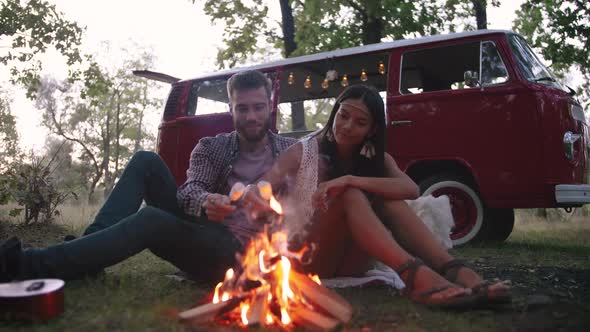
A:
[299,210]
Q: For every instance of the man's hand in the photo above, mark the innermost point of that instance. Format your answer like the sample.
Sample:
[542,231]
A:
[217,207]
[254,204]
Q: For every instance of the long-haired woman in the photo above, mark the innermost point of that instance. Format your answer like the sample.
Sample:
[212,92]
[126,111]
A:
[354,195]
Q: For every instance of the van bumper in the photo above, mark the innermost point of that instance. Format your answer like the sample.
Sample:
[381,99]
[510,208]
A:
[572,194]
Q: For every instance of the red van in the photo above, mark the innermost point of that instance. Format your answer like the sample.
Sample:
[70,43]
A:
[475,116]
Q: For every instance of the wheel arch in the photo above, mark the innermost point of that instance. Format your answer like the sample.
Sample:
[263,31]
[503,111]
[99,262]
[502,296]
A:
[422,169]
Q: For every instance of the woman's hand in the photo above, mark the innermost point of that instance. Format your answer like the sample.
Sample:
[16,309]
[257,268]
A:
[328,190]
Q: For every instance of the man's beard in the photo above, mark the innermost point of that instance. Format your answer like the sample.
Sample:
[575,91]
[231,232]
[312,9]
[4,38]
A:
[253,137]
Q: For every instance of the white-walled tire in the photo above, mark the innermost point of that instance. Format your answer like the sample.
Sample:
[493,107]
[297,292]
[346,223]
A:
[466,205]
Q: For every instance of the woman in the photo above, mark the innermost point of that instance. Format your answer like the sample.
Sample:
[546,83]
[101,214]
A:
[353,193]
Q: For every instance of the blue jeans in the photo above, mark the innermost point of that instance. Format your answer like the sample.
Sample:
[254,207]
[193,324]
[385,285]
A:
[201,248]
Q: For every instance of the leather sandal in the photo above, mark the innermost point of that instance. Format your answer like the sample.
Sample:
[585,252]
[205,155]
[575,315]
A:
[487,296]
[459,301]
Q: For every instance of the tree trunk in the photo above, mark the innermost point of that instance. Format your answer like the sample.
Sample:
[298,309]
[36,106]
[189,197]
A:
[137,146]
[479,8]
[106,148]
[372,23]
[118,137]
[298,116]
[288,26]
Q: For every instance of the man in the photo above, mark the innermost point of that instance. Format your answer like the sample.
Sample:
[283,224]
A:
[198,226]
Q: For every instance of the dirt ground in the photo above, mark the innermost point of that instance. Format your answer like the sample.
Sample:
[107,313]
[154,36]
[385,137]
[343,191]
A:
[545,298]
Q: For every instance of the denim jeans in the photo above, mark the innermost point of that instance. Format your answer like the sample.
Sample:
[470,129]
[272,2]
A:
[202,248]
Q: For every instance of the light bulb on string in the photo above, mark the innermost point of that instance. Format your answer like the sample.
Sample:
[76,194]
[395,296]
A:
[291,79]
[344,81]
[364,77]
[381,68]
[325,84]
[307,83]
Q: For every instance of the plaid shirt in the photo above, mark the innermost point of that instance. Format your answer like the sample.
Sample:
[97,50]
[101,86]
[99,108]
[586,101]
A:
[210,166]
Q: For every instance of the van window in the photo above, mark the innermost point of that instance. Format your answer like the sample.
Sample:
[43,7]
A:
[530,66]
[210,96]
[493,70]
[316,114]
[444,68]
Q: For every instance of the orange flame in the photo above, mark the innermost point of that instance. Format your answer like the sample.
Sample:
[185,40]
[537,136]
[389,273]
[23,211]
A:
[285,319]
[216,294]
[244,313]
[315,278]
[266,261]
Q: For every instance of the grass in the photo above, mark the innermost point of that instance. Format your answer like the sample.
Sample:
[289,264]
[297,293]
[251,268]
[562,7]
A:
[137,295]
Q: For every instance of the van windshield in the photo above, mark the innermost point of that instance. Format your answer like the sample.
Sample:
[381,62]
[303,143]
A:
[530,66]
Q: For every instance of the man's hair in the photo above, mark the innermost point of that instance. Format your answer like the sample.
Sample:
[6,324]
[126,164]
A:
[246,80]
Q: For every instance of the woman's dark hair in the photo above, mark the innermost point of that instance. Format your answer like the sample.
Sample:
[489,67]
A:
[374,167]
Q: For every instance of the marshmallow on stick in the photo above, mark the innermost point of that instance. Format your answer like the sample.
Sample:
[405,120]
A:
[265,189]
[237,192]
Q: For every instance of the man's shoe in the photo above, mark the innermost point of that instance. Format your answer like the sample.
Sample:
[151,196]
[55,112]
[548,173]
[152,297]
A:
[10,259]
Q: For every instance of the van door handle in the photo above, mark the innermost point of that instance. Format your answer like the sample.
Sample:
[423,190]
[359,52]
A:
[401,122]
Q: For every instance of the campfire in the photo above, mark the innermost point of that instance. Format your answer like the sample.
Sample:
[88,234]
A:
[264,289]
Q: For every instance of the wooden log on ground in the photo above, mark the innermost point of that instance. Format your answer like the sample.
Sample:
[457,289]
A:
[313,320]
[322,297]
[207,312]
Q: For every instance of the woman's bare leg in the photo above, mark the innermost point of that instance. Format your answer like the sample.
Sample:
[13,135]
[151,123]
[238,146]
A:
[406,227]
[351,219]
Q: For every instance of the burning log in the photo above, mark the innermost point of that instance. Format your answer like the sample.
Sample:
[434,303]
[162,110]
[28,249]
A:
[322,297]
[313,320]
[207,312]
[257,313]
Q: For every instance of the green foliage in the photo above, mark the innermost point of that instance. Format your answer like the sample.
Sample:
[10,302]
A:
[33,187]
[560,31]
[31,26]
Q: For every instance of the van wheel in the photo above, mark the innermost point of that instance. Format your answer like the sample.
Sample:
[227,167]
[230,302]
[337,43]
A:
[500,222]
[466,205]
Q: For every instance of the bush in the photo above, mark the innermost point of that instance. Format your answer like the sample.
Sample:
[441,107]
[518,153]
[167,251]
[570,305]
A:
[32,186]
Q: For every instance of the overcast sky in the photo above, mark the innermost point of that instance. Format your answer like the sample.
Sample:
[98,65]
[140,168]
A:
[183,38]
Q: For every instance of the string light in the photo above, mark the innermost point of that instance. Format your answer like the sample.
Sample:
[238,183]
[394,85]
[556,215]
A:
[381,68]
[344,81]
[291,79]
[325,84]
[364,77]
[307,83]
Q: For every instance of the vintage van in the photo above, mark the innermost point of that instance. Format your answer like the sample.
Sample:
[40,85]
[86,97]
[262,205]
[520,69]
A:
[474,115]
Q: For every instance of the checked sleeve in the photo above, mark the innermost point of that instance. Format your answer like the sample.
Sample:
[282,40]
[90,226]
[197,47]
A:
[201,176]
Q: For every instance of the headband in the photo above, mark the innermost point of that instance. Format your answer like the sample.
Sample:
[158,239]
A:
[366,110]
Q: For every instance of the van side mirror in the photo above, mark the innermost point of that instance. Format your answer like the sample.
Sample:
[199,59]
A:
[471,78]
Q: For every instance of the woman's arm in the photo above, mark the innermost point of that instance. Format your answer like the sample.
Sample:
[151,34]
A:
[395,185]
[284,168]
